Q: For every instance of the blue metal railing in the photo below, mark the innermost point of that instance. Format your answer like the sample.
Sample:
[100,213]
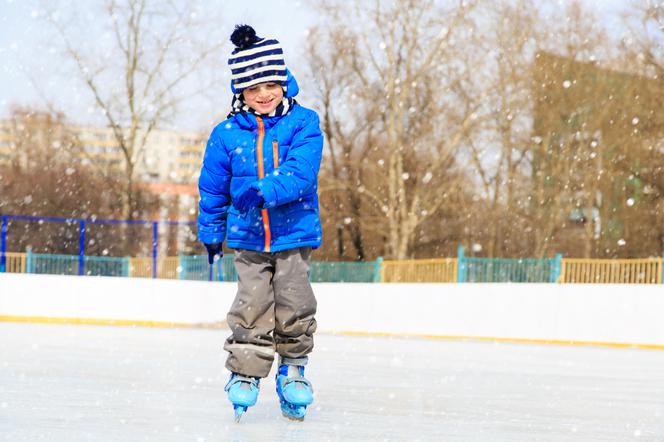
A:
[81,259]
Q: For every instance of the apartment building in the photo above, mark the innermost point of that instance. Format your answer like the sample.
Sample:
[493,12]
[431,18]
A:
[6,139]
[168,156]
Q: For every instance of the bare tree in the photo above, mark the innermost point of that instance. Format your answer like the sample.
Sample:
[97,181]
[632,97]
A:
[399,117]
[498,150]
[341,204]
[137,80]
[538,115]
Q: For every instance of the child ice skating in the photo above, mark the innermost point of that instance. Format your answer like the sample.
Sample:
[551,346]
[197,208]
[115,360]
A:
[258,189]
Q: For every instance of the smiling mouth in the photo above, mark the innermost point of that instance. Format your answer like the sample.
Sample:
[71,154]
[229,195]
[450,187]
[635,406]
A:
[263,103]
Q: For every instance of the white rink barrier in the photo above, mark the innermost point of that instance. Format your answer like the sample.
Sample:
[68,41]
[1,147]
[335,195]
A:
[614,315]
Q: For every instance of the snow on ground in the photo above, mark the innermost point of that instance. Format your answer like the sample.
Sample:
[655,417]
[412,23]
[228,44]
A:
[86,383]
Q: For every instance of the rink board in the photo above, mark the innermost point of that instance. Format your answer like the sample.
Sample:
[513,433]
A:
[613,315]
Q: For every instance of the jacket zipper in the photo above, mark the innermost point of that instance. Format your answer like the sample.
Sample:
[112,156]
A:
[275,153]
[261,175]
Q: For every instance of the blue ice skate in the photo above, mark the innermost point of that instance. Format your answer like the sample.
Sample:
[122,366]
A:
[295,392]
[242,392]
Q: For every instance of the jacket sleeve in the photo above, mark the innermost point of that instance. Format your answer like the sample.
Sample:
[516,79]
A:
[214,189]
[298,174]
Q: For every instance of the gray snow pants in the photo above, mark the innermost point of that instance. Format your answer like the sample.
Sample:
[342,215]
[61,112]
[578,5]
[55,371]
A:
[273,310]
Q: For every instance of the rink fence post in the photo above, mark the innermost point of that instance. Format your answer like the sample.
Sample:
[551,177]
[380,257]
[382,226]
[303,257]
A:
[377,277]
[220,271]
[28,260]
[558,267]
[461,265]
[181,266]
[155,233]
[3,244]
[81,248]
[126,265]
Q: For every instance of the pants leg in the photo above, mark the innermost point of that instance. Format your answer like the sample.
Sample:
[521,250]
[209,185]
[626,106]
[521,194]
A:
[251,317]
[295,305]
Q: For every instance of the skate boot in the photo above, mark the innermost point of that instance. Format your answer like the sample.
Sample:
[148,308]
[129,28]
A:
[242,392]
[295,392]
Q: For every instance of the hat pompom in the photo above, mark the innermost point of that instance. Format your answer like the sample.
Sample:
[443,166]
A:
[244,36]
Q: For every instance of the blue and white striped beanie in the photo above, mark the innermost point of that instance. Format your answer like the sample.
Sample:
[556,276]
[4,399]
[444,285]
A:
[255,60]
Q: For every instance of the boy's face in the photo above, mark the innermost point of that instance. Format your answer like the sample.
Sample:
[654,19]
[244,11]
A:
[263,97]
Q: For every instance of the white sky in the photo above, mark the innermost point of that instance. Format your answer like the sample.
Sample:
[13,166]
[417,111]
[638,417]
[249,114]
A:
[27,71]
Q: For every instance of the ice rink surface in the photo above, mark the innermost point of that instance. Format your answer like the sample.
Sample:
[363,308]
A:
[88,383]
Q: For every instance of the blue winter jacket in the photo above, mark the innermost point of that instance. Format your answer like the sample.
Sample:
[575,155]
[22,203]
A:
[284,167]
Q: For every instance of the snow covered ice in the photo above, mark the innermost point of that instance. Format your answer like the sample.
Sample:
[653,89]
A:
[88,383]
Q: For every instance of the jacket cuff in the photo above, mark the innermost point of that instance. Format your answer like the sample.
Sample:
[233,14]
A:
[210,237]
[267,192]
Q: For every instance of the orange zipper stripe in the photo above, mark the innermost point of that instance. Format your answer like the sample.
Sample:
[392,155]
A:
[266,227]
[259,148]
[275,153]
[261,175]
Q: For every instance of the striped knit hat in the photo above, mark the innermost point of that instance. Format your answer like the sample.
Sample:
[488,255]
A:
[255,60]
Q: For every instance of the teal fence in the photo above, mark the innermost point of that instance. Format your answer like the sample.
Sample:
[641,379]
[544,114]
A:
[196,268]
[52,264]
[345,271]
[462,269]
[68,265]
[193,267]
[105,266]
[471,269]
[509,270]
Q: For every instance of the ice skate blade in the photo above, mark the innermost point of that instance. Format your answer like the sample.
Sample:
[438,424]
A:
[239,411]
[293,418]
[293,412]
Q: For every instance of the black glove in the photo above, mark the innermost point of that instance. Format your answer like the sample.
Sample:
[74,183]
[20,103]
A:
[214,250]
[250,198]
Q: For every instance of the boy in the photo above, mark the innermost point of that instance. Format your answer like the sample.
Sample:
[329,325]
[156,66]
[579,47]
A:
[258,188]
